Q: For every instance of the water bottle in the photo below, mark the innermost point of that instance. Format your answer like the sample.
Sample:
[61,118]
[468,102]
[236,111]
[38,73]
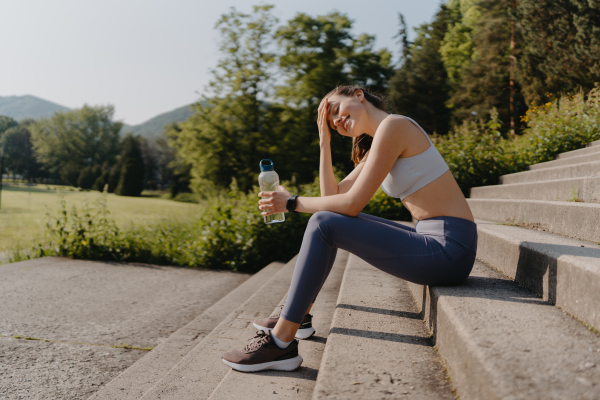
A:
[268,180]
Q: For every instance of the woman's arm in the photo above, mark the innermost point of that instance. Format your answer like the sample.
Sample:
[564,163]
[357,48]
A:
[386,147]
[327,180]
[329,185]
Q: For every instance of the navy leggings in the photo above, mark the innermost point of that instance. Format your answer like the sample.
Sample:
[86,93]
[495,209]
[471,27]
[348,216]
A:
[438,251]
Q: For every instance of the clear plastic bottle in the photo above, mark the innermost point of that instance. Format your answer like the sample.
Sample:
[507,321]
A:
[268,180]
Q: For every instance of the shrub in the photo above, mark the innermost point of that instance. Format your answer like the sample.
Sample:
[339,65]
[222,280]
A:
[478,155]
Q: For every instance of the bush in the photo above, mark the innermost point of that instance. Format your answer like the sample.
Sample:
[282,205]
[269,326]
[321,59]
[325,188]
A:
[230,234]
[478,155]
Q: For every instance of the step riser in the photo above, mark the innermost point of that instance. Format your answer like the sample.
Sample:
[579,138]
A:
[591,169]
[545,269]
[567,161]
[580,152]
[198,374]
[576,220]
[498,341]
[584,189]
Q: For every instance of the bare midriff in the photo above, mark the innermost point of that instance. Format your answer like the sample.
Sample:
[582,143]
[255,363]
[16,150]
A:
[440,198]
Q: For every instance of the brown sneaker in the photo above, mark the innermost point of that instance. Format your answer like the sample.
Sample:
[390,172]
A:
[262,353]
[305,330]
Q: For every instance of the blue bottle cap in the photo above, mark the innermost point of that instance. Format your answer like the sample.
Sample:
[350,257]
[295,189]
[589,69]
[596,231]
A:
[268,167]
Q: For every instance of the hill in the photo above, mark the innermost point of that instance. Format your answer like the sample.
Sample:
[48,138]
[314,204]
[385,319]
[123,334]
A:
[21,107]
[154,126]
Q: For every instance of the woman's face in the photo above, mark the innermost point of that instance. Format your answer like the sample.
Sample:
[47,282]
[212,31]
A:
[345,112]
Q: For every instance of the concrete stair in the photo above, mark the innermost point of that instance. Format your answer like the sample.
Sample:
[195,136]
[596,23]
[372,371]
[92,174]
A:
[523,326]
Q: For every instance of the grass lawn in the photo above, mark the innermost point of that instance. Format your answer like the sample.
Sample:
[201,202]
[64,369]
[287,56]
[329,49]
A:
[24,208]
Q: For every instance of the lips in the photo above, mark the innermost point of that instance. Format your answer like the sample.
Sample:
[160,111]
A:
[346,123]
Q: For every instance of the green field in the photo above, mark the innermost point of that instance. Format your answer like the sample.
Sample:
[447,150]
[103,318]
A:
[24,208]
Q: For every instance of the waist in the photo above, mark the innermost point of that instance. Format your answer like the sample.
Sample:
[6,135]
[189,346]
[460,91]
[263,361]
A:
[450,229]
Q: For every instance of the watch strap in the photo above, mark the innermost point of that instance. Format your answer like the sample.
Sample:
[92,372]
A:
[291,203]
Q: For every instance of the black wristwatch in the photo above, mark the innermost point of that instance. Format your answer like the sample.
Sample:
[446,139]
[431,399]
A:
[291,203]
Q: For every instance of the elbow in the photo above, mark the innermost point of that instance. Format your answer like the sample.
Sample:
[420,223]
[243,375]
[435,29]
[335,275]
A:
[354,210]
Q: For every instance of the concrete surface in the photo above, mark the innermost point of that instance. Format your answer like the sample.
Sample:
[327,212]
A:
[590,149]
[580,170]
[142,375]
[499,341]
[564,271]
[88,306]
[46,370]
[576,220]
[592,157]
[378,347]
[198,374]
[585,189]
[297,384]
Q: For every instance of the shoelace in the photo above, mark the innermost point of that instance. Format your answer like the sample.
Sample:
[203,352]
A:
[259,339]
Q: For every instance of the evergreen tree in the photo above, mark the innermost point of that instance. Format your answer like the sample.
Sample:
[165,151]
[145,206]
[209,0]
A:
[419,88]
[484,79]
[131,179]
[561,47]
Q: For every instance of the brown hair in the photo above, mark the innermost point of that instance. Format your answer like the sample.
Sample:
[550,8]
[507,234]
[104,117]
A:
[362,143]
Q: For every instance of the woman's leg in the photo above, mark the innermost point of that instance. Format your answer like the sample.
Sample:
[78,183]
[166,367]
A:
[392,247]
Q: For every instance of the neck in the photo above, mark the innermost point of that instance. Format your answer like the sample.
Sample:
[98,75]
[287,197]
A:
[375,116]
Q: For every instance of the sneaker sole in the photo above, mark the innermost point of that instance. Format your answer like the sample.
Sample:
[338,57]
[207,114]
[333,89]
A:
[283,365]
[300,334]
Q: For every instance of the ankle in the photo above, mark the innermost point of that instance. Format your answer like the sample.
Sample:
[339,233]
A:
[280,343]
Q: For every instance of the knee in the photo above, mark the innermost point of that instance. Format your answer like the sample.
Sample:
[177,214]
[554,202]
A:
[322,217]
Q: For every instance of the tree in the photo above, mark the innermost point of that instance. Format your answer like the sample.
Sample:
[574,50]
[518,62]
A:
[131,179]
[561,47]
[228,134]
[72,140]
[320,53]
[88,176]
[484,79]
[18,151]
[6,123]
[420,87]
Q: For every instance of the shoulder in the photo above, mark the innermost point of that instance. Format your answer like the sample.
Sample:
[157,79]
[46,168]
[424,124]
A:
[394,127]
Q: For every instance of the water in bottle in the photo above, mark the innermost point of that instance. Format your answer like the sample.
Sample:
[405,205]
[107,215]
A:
[268,180]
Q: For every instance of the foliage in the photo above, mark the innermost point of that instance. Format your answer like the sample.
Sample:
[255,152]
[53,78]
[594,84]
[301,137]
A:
[484,79]
[419,88]
[19,157]
[131,178]
[72,140]
[560,47]
[478,154]
[229,132]
[88,176]
[319,53]
[457,49]
[6,123]
[230,234]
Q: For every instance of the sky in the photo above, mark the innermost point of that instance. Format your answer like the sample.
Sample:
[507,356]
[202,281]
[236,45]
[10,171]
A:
[147,57]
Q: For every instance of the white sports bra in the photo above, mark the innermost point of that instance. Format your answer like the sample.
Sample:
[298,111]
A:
[409,174]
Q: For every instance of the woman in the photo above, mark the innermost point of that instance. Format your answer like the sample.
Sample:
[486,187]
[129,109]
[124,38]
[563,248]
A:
[390,151]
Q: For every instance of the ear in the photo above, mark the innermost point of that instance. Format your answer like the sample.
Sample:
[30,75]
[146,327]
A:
[360,94]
